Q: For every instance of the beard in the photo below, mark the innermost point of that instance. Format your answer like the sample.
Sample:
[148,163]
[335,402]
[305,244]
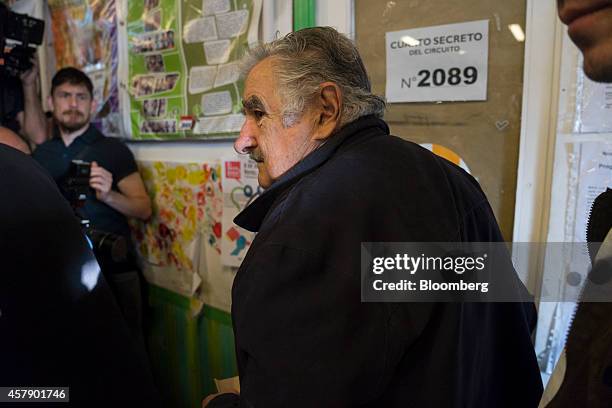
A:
[77,120]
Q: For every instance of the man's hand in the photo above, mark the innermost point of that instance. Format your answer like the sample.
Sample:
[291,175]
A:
[32,120]
[100,180]
[28,78]
[130,198]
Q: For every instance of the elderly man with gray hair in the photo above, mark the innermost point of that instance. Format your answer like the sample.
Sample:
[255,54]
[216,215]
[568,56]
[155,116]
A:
[335,178]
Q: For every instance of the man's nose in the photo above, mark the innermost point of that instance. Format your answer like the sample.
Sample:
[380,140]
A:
[73,101]
[246,140]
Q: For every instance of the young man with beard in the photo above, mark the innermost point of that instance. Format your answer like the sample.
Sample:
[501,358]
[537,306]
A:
[116,188]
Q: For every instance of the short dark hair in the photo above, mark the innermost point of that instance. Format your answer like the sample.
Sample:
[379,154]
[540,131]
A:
[72,76]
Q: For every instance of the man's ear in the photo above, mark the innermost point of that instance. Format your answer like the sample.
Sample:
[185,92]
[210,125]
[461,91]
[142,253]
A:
[94,106]
[50,103]
[329,108]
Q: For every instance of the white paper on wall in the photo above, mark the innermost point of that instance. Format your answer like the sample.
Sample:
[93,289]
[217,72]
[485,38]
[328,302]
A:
[439,63]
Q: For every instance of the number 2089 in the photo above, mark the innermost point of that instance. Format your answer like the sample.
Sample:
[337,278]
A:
[452,77]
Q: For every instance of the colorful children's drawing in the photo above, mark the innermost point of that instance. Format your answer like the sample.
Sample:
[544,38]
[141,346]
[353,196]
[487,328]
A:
[187,207]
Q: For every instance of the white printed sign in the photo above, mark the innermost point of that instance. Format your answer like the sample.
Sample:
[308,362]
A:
[439,63]
[240,187]
[595,107]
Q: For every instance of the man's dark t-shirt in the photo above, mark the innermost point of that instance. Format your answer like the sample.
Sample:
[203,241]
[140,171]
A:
[110,153]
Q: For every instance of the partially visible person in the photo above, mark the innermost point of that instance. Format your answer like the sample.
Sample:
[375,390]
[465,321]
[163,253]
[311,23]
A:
[117,188]
[589,25]
[20,104]
[583,374]
[59,323]
[20,108]
[10,138]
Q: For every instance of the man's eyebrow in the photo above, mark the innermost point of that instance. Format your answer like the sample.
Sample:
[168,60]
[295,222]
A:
[74,93]
[253,103]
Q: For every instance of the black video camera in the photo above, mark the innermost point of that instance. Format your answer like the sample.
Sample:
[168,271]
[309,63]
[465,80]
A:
[76,184]
[25,30]
[108,248]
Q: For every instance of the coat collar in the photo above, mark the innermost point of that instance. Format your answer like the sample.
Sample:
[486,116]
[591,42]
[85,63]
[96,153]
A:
[252,216]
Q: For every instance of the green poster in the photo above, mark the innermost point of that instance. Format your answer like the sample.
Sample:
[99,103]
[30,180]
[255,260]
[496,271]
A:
[182,66]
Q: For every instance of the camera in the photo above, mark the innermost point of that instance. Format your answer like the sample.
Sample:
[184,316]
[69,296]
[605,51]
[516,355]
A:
[108,248]
[24,30]
[76,185]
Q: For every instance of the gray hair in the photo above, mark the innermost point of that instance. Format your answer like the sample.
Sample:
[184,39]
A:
[309,57]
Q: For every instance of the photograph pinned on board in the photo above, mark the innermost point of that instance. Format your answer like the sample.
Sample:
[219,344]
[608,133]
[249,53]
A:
[158,126]
[154,108]
[167,82]
[152,20]
[145,85]
[155,63]
[153,42]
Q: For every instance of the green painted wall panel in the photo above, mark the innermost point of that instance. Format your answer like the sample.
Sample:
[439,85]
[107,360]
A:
[304,14]
[187,352]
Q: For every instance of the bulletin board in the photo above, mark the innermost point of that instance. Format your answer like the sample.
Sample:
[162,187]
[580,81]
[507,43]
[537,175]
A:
[183,78]
[485,134]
